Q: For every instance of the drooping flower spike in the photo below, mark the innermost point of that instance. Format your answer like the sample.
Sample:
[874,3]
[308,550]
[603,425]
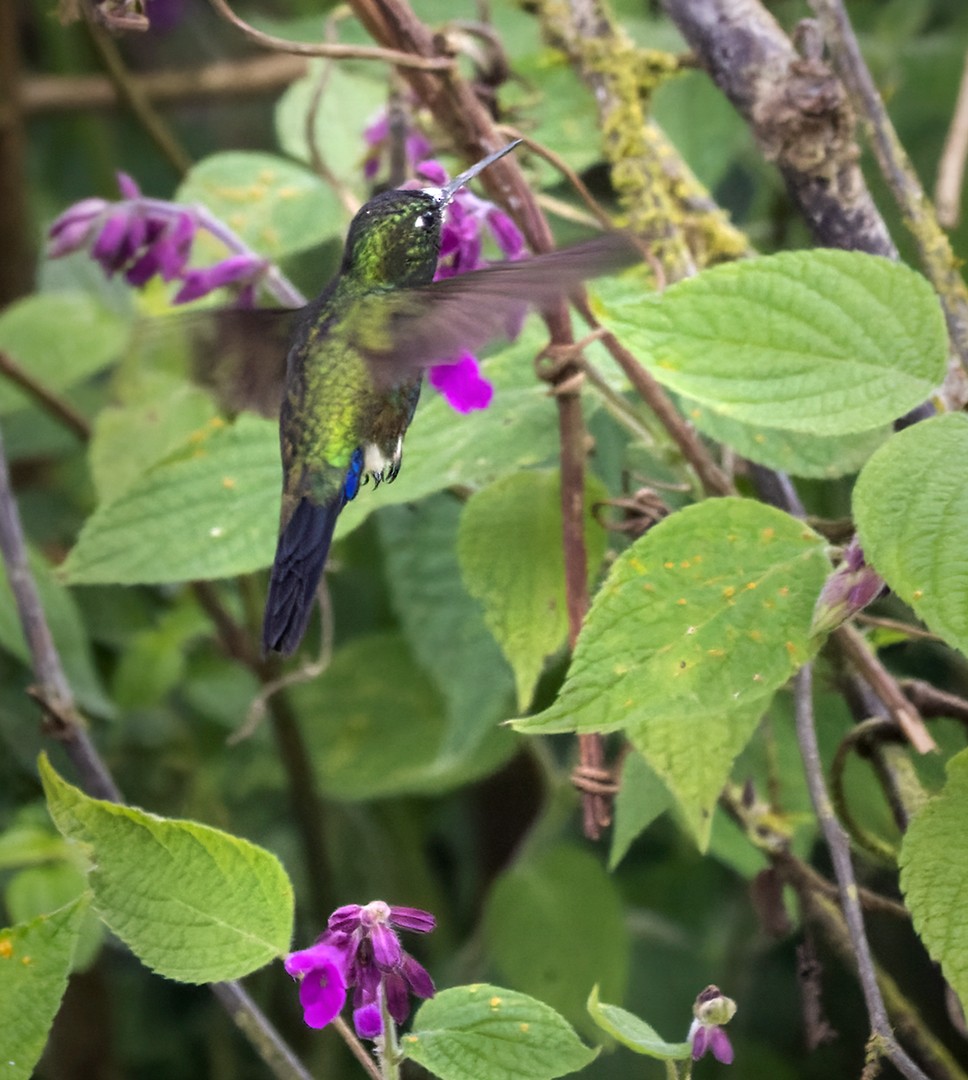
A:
[360,950]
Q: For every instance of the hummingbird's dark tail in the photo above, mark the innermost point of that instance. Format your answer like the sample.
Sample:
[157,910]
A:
[300,557]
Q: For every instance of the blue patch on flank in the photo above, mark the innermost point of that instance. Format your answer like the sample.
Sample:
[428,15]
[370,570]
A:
[351,485]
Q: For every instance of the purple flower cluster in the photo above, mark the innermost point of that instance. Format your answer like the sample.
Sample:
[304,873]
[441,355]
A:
[378,137]
[360,951]
[142,238]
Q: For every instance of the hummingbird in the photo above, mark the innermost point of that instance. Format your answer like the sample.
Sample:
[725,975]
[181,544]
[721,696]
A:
[353,363]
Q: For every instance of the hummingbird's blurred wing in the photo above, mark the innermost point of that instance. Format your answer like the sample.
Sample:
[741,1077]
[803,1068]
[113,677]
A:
[239,354]
[406,330]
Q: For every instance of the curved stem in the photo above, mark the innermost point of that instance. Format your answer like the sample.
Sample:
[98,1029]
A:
[839,847]
[332,50]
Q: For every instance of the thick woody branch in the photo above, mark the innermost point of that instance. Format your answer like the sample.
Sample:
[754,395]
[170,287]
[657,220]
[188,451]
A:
[797,109]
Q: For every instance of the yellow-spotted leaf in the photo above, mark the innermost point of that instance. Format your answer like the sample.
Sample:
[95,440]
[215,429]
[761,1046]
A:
[697,625]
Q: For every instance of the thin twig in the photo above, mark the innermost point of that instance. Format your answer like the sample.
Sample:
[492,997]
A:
[859,737]
[853,646]
[938,260]
[254,1024]
[333,51]
[839,847]
[61,410]
[881,622]
[951,167]
[930,701]
[356,1047]
[132,95]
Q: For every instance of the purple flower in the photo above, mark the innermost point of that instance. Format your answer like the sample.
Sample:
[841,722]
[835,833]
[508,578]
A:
[236,269]
[712,1009]
[714,1039]
[378,136]
[849,589]
[462,384]
[361,945]
[322,982]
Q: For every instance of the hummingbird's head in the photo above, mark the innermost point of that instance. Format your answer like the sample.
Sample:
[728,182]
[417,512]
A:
[394,240]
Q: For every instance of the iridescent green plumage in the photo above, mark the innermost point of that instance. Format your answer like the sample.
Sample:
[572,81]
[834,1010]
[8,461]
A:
[354,363]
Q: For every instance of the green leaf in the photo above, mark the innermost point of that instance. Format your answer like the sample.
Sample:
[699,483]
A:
[519,430]
[934,875]
[911,510]
[129,439]
[352,95]
[376,725]
[35,959]
[558,950]
[67,629]
[192,903]
[441,619]
[511,559]
[822,342]
[642,797]
[484,1032]
[209,511]
[794,452]
[698,624]
[59,339]
[632,1032]
[276,206]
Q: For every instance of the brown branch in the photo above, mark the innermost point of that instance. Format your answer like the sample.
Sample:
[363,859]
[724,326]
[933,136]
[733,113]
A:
[932,702]
[61,410]
[16,243]
[856,650]
[461,113]
[941,267]
[130,92]
[232,79]
[331,50]
[798,112]
[951,167]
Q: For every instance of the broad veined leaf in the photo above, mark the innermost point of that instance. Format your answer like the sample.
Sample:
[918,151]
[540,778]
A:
[35,960]
[483,1032]
[911,510]
[441,620]
[697,625]
[210,510]
[632,1032]
[511,557]
[641,798]
[934,875]
[276,206]
[794,452]
[128,439]
[59,339]
[192,903]
[377,725]
[821,342]
[553,950]
[352,96]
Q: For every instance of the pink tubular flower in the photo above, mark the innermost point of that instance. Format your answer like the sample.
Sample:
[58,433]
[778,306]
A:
[322,983]
[462,384]
[849,589]
[361,944]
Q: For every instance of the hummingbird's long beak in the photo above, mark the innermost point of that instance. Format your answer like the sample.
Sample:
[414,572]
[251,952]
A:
[449,190]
